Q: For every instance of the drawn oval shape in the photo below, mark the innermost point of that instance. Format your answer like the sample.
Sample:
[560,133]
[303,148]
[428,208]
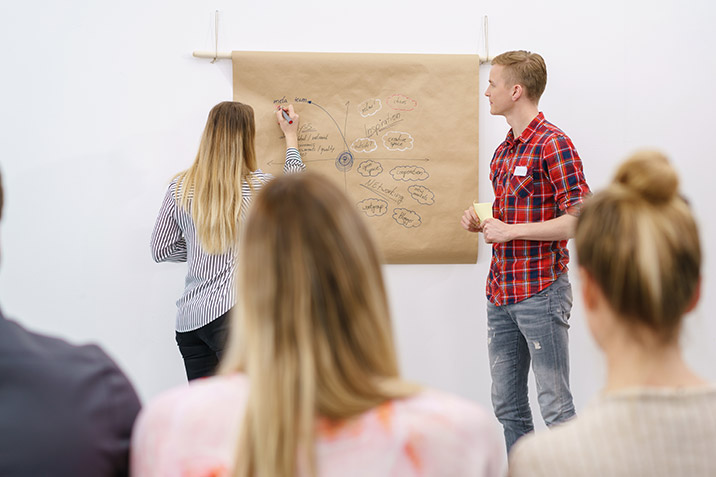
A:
[369,107]
[409,173]
[364,144]
[422,194]
[400,102]
[397,141]
[407,218]
[370,168]
[373,207]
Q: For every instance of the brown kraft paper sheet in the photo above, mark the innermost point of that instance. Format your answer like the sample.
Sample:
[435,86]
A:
[397,132]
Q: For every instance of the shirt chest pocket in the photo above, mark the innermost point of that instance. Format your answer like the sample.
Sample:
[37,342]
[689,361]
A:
[521,186]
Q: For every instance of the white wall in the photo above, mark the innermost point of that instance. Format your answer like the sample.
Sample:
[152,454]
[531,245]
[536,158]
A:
[102,103]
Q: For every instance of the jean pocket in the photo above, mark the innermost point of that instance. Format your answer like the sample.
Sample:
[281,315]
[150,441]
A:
[560,301]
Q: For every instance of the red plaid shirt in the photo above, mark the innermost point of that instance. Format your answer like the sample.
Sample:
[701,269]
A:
[536,177]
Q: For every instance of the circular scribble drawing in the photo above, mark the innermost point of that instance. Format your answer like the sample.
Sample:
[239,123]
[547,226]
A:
[344,161]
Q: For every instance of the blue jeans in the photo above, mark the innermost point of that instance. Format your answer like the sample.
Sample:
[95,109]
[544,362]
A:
[533,330]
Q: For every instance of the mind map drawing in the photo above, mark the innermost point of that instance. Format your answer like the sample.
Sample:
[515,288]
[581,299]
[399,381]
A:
[397,132]
[377,152]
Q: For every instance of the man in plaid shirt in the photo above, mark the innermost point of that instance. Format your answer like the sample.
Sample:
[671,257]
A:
[539,186]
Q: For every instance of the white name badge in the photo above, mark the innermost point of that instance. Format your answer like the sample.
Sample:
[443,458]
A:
[520,171]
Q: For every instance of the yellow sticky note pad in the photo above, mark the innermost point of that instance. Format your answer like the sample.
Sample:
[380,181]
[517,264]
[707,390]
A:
[483,209]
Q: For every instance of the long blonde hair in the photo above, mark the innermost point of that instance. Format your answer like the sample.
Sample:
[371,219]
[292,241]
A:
[313,328]
[211,188]
[640,243]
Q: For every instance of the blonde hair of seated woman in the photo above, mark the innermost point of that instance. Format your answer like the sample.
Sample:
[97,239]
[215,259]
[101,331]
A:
[314,333]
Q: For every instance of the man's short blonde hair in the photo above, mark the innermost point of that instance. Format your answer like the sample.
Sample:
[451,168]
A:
[525,68]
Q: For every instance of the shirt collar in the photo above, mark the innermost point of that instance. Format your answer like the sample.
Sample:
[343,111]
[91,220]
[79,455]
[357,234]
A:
[527,133]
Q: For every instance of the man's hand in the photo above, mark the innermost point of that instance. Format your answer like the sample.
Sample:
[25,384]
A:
[496,231]
[470,221]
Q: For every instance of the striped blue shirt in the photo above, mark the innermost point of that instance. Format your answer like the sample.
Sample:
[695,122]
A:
[210,287]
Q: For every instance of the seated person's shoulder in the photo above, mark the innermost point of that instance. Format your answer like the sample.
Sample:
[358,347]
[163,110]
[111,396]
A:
[207,405]
[53,358]
[562,449]
[440,409]
[52,373]
[190,424]
[444,416]
[79,398]
[450,433]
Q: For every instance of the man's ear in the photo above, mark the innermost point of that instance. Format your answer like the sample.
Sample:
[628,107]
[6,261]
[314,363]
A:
[694,299]
[517,92]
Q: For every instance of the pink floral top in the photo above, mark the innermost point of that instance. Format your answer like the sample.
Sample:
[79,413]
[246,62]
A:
[192,432]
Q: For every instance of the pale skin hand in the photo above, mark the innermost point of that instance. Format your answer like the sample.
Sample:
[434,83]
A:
[470,221]
[496,231]
[290,131]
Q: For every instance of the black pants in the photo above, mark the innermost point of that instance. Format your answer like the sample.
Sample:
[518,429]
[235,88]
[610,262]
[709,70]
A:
[202,348]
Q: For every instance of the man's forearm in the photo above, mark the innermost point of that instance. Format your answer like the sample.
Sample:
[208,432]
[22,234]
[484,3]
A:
[561,228]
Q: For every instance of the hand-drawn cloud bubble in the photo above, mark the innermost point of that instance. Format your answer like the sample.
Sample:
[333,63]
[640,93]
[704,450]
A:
[406,218]
[397,141]
[370,168]
[409,173]
[369,107]
[400,102]
[364,144]
[373,207]
[422,194]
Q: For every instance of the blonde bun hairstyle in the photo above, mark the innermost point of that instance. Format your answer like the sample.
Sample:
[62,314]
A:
[649,176]
[638,239]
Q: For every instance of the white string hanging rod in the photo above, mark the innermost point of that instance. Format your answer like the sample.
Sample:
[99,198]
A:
[212,55]
[216,55]
[226,55]
[486,58]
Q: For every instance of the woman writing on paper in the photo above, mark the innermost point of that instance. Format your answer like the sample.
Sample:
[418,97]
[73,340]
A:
[199,223]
